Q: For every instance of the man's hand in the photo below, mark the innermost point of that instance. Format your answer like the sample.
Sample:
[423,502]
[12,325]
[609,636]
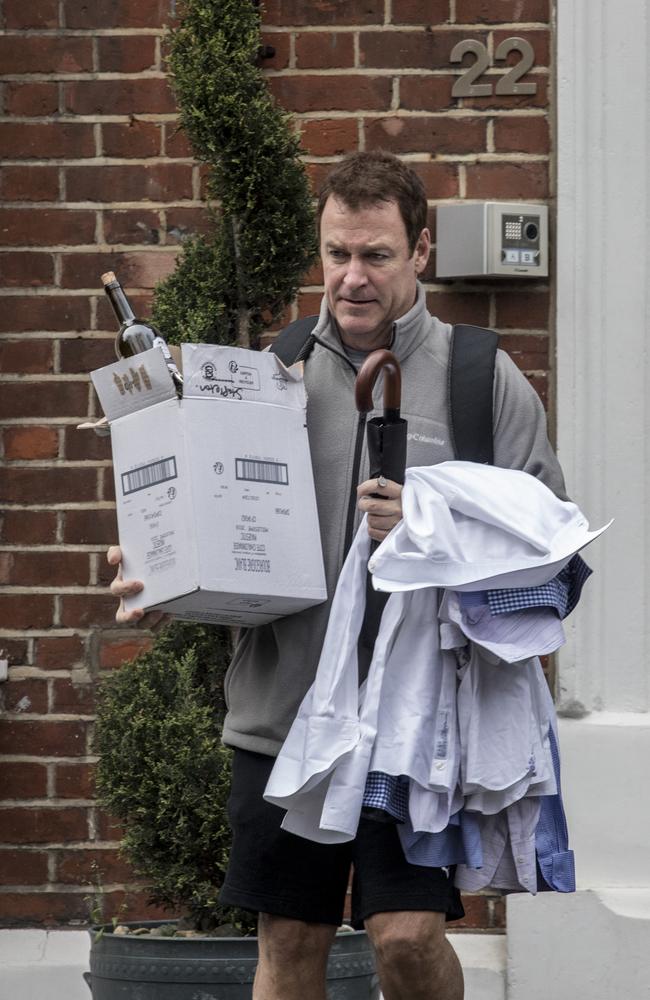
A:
[123,588]
[383,505]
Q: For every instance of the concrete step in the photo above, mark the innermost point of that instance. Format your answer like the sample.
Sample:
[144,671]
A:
[48,964]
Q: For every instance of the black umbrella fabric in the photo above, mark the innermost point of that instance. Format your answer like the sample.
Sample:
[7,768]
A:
[387,458]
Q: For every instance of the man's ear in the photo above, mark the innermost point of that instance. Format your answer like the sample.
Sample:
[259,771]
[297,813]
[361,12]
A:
[422,251]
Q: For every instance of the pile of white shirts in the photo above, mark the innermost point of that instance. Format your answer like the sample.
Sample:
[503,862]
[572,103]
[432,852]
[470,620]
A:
[467,727]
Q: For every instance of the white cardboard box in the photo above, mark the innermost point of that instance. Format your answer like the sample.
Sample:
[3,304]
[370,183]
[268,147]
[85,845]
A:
[215,497]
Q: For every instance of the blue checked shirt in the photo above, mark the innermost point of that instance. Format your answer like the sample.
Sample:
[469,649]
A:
[562,592]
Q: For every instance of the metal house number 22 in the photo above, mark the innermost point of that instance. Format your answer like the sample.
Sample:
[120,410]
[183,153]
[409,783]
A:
[506,84]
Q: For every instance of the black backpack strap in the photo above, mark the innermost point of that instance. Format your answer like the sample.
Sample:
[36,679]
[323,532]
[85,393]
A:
[471,380]
[294,342]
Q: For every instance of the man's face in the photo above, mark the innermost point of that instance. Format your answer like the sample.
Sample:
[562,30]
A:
[370,276]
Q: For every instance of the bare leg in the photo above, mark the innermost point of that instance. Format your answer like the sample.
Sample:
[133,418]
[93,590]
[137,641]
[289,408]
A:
[293,959]
[415,960]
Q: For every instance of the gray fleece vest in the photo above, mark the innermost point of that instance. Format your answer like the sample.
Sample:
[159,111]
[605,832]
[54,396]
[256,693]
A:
[274,665]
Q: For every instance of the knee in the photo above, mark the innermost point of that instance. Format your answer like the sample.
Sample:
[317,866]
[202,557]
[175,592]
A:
[291,943]
[408,947]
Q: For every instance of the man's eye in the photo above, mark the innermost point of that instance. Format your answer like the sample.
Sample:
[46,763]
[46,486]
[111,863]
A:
[338,254]
[378,256]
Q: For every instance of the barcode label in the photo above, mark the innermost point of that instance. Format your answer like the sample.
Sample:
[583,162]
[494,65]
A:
[149,475]
[262,472]
[243,565]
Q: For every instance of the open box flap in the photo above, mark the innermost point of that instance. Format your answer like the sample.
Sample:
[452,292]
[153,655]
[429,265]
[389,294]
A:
[235,374]
[132,384]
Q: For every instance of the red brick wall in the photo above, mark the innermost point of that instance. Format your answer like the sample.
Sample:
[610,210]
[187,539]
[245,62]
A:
[95,175]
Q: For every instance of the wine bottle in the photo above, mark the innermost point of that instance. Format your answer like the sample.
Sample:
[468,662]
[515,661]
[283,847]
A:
[136,335]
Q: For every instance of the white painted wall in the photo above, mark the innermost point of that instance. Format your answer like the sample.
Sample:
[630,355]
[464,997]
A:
[603,312]
[595,944]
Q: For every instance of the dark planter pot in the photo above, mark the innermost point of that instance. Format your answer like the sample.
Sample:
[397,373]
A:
[158,968]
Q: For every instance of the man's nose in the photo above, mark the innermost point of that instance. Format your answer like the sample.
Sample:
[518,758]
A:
[355,273]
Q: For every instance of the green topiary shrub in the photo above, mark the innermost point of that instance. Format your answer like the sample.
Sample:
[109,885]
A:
[162,769]
[227,288]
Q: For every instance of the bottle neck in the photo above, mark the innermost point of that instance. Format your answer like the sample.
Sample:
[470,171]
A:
[120,303]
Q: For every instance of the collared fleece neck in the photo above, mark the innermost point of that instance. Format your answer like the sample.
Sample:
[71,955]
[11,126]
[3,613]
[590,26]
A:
[409,331]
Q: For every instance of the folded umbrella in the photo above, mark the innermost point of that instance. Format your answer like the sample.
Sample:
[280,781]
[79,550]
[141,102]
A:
[386,437]
[387,434]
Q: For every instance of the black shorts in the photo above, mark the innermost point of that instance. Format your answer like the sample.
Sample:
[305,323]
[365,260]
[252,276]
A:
[272,871]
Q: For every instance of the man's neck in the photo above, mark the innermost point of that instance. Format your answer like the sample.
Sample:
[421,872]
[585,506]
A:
[355,356]
[366,343]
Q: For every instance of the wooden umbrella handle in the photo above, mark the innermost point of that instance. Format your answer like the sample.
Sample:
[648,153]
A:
[368,375]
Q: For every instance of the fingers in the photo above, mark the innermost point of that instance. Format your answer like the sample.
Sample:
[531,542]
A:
[114,555]
[138,616]
[125,588]
[381,500]
[377,536]
[378,507]
[383,487]
[387,504]
[131,617]
[379,527]
[119,586]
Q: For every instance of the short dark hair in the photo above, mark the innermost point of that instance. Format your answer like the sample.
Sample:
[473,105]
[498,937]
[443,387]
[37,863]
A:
[363,179]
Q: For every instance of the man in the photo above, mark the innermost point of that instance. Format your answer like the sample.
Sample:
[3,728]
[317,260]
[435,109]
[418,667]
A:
[374,245]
